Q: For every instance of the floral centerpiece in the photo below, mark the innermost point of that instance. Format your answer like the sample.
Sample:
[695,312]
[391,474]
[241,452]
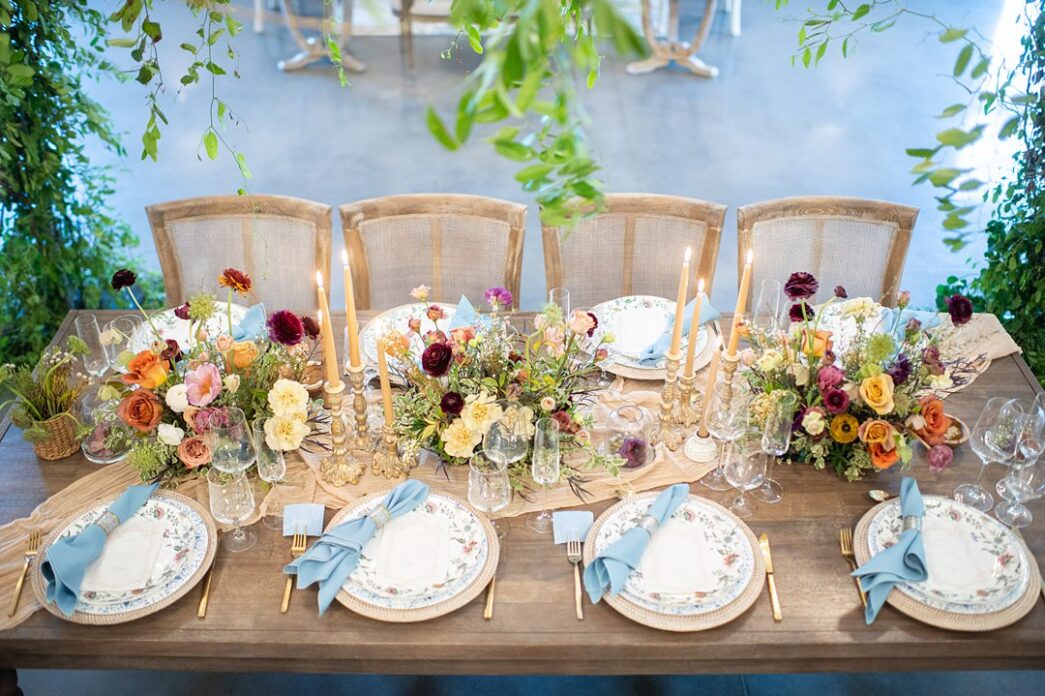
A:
[171,395]
[470,377]
[859,388]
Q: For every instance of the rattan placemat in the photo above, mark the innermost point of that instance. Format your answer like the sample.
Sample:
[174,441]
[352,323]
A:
[40,585]
[946,619]
[699,622]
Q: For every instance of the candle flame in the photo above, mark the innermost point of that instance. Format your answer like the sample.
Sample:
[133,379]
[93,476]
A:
[319,278]
[689,254]
[750,256]
[344,257]
[700,285]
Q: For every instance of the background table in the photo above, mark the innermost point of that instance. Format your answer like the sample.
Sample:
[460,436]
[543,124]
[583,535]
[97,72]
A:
[534,630]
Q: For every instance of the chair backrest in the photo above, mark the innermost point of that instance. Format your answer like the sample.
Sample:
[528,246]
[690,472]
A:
[455,244]
[858,243]
[279,241]
[634,247]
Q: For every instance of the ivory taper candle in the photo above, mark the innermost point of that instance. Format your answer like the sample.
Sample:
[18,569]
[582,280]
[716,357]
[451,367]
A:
[329,351]
[350,311]
[709,388]
[738,314]
[694,329]
[386,385]
[680,304]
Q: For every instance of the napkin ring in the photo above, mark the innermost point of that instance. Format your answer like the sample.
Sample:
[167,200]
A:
[912,522]
[108,521]
[649,523]
[381,516]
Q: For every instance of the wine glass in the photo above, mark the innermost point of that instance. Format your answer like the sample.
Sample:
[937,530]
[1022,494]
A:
[230,440]
[997,414]
[1018,485]
[119,332]
[545,469]
[776,438]
[272,466]
[96,361]
[767,314]
[599,378]
[745,469]
[231,503]
[560,297]
[489,489]
[727,417]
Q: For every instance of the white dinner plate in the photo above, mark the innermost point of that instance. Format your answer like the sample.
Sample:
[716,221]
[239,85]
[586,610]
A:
[169,326]
[398,319]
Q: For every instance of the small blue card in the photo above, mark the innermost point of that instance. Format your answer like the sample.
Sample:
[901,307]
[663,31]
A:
[571,525]
[303,517]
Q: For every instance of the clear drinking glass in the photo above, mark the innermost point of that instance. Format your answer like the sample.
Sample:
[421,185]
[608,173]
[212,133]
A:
[986,435]
[767,314]
[119,332]
[272,467]
[488,488]
[231,503]
[1018,485]
[600,378]
[545,469]
[727,419]
[96,361]
[776,438]
[230,440]
[745,469]
[561,297]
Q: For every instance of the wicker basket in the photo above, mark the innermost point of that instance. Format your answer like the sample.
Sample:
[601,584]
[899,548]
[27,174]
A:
[61,441]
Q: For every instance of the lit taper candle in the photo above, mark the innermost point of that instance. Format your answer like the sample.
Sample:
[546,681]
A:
[680,304]
[694,329]
[350,311]
[738,314]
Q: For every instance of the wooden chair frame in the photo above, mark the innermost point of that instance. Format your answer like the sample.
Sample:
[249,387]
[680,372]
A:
[162,214]
[406,26]
[634,205]
[353,215]
[902,216]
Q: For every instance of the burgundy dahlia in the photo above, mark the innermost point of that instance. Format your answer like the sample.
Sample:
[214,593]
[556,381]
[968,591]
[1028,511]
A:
[311,327]
[285,328]
[960,308]
[840,292]
[900,370]
[801,285]
[123,278]
[566,422]
[172,352]
[634,451]
[436,359]
[182,311]
[801,311]
[836,401]
[451,403]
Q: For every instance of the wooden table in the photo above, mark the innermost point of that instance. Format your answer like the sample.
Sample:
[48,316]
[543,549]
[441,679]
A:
[534,630]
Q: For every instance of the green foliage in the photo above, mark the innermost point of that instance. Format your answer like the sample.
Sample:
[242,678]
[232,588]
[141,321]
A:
[45,390]
[58,239]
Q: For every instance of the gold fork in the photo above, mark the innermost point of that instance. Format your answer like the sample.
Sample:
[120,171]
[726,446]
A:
[573,555]
[297,547]
[845,541]
[32,548]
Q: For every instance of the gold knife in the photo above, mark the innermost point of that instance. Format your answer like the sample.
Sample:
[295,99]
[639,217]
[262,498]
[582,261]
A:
[774,600]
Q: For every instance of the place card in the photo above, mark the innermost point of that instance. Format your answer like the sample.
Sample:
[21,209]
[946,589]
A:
[571,525]
[303,517]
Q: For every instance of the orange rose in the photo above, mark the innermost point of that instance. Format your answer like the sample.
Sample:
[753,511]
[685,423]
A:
[141,409]
[244,353]
[818,342]
[194,452]
[188,414]
[146,369]
[883,456]
[936,423]
[876,432]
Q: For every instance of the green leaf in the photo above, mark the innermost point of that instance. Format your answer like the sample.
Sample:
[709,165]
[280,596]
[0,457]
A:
[981,68]
[860,12]
[820,52]
[438,130]
[807,56]
[964,56]
[475,39]
[1010,128]
[952,110]
[970,185]
[957,138]
[221,110]
[534,172]
[944,176]
[121,43]
[152,30]
[953,222]
[514,151]
[845,47]
[952,34]
[241,162]
[210,143]
[924,153]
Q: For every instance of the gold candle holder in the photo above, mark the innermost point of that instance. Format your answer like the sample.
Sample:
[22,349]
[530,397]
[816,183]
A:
[689,402]
[387,462]
[359,439]
[671,437]
[729,370]
[336,468]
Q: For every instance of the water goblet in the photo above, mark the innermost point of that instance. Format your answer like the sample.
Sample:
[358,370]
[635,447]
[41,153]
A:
[997,415]
[271,465]
[545,468]
[96,360]
[767,314]
[727,418]
[599,378]
[745,469]
[560,297]
[776,439]
[232,503]
[1018,485]
[229,437]
[117,336]
[489,489]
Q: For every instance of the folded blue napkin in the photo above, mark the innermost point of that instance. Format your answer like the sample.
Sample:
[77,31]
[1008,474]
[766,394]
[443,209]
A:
[252,325]
[611,568]
[902,562]
[894,320]
[466,315]
[655,351]
[571,525]
[335,555]
[67,559]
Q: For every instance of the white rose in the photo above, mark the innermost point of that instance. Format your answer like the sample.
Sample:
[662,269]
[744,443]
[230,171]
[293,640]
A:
[288,398]
[232,383]
[178,398]
[800,373]
[170,434]
[941,382]
[813,422]
[285,433]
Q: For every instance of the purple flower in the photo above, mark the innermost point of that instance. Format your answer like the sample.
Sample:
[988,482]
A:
[801,285]
[840,292]
[311,326]
[211,417]
[829,377]
[931,359]
[796,312]
[900,370]
[451,403]
[912,327]
[836,401]
[796,422]
[436,359]
[828,358]
[182,312]
[123,278]
[498,297]
[285,328]
[960,308]
[940,457]
[634,451]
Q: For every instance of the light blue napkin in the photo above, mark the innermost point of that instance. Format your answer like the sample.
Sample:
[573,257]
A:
[252,325]
[466,315]
[67,559]
[903,562]
[571,525]
[611,568]
[655,351]
[335,555]
[303,518]
[894,320]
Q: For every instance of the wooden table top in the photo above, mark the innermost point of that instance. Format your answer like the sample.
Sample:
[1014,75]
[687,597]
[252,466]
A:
[534,630]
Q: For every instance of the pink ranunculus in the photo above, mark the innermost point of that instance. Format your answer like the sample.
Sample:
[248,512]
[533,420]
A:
[204,384]
[829,377]
[583,323]
[940,457]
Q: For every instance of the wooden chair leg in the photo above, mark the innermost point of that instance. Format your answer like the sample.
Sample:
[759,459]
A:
[406,31]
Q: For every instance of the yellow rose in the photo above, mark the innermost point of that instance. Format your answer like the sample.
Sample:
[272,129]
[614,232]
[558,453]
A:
[459,440]
[877,393]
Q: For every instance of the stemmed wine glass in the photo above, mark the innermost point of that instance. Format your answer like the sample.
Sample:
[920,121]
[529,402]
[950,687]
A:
[745,469]
[96,361]
[272,466]
[504,444]
[767,315]
[560,297]
[232,503]
[545,469]
[776,438]
[489,489]
[1018,485]
[119,332]
[727,418]
[230,440]
[992,439]
[600,378]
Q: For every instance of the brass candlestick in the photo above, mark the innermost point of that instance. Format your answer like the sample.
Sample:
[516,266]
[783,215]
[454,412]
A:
[671,437]
[337,468]
[729,370]
[387,462]
[690,401]
[359,439]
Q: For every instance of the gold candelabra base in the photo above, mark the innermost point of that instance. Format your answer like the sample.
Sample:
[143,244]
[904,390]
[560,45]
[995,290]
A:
[669,402]
[689,402]
[337,468]
[386,461]
[359,438]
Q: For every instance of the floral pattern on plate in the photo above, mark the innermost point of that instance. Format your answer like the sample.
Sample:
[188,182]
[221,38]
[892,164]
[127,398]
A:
[468,552]
[185,547]
[982,541]
[725,539]
[637,321]
[398,319]
[170,326]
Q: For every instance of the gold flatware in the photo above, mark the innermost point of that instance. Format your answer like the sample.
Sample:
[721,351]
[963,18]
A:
[774,600]
[201,610]
[573,555]
[297,547]
[32,548]
[490,590]
[878,495]
[845,542]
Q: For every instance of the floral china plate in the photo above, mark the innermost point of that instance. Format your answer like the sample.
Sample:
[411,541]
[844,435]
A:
[442,556]
[398,319]
[976,564]
[171,327]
